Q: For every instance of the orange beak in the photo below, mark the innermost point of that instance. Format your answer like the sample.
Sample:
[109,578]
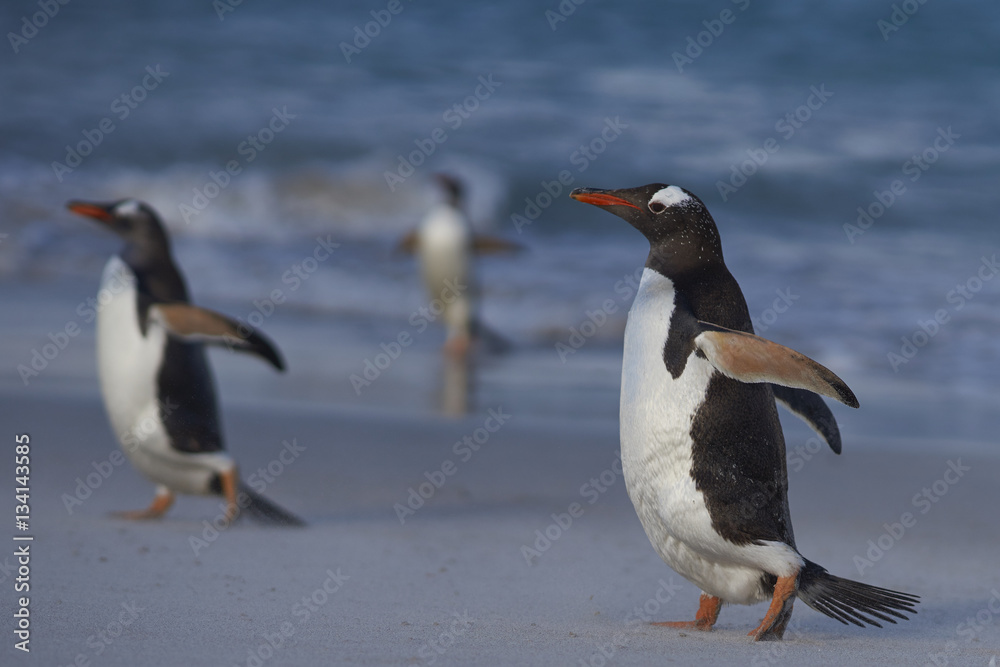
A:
[599,198]
[95,211]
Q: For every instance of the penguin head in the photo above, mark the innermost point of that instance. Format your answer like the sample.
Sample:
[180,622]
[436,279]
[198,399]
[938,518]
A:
[134,221]
[452,188]
[674,220]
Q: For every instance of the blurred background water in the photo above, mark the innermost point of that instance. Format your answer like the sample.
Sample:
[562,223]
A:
[784,119]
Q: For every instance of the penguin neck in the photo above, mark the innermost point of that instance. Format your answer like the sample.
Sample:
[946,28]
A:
[675,259]
[155,271]
[705,286]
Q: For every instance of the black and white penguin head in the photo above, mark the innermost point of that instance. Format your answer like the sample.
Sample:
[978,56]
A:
[673,219]
[134,221]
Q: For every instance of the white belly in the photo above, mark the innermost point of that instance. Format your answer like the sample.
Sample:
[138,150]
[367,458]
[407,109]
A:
[445,246]
[128,364]
[656,416]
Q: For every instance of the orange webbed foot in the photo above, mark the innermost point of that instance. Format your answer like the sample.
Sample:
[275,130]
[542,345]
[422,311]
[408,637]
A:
[161,503]
[708,614]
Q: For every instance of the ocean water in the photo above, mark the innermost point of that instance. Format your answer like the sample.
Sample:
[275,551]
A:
[849,152]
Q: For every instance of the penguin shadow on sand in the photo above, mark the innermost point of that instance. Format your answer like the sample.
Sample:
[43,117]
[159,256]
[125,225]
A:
[446,248]
[157,385]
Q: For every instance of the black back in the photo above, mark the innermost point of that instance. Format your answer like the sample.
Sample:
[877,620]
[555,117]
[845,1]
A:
[739,448]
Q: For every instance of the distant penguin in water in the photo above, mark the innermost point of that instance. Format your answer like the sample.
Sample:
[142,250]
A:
[157,385]
[702,449]
[446,246]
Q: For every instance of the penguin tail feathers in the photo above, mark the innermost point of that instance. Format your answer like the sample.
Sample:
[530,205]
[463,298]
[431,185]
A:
[494,342]
[265,511]
[851,601]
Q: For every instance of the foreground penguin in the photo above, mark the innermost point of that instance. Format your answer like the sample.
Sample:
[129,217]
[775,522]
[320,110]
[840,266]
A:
[155,379]
[702,449]
[446,246]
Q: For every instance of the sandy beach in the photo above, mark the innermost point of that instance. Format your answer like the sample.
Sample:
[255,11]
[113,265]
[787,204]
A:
[451,583]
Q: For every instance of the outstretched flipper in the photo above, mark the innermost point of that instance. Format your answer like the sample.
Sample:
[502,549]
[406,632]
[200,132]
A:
[195,324]
[481,245]
[488,245]
[748,358]
[407,244]
[493,341]
[811,409]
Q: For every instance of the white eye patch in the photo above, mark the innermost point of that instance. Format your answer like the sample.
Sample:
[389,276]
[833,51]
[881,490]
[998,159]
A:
[127,208]
[670,196]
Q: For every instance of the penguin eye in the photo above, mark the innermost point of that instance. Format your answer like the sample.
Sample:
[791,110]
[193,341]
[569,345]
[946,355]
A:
[657,207]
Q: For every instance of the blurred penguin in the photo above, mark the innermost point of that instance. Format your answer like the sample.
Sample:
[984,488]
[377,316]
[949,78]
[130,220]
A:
[445,246]
[157,385]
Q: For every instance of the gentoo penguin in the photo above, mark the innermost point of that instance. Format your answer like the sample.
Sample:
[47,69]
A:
[446,247]
[702,448]
[157,386]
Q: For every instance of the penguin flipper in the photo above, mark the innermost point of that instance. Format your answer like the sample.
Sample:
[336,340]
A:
[195,324]
[811,409]
[748,358]
[488,245]
[407,244]
[495,342]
